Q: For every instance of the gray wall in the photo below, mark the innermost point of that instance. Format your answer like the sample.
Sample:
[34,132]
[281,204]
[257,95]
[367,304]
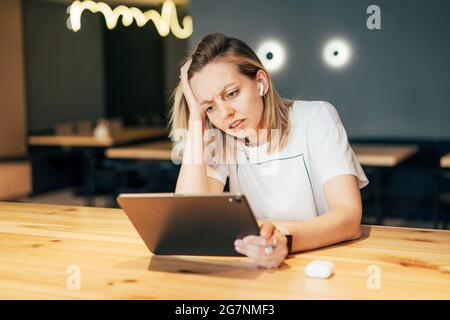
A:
[398,83]
[64,69]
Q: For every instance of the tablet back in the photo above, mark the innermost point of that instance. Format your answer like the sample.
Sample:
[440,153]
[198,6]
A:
[173,224]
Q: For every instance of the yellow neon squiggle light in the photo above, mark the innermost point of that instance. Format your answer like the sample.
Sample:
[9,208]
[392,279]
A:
[164,22]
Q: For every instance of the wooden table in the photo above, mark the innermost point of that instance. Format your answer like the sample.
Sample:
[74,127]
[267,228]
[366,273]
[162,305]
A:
[42,245]
[151,158]
[89,144]
[124,136]
[381,158]
[383,155]
[445,161]
[159,150]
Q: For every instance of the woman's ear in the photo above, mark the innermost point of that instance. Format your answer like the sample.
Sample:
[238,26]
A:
[263,82]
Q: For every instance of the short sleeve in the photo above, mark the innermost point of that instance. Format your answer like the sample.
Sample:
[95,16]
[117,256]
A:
[218,172]
[331,152]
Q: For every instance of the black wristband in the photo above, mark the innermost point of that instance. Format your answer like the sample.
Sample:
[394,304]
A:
[289,243]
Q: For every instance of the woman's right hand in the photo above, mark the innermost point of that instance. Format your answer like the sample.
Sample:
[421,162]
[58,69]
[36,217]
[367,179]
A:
[196,113]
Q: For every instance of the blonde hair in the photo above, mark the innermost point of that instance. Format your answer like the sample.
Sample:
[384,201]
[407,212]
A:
[218,46]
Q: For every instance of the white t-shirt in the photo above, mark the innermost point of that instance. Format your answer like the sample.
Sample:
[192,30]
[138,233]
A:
[288,185]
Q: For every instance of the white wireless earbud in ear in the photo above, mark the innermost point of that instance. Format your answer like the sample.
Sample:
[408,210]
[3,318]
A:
[261,89]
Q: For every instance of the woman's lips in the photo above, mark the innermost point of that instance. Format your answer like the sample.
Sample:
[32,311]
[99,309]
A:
[237,124]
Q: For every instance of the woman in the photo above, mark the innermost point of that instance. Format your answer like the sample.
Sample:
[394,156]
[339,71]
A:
[291,159]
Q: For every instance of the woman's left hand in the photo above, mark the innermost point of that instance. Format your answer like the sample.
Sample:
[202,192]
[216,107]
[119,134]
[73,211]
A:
[254,247]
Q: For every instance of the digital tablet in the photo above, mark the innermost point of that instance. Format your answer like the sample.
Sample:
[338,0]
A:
[176,224]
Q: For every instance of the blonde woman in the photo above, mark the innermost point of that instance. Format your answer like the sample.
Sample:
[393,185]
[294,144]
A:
[303,182]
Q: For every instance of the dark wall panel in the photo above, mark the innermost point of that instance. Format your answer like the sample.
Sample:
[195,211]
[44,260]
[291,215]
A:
[64,69]
[134,73]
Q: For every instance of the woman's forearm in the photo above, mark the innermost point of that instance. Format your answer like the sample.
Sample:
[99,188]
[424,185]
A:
[192,177]
[341,224]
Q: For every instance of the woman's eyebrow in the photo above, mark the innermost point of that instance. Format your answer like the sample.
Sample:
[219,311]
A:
[221,91]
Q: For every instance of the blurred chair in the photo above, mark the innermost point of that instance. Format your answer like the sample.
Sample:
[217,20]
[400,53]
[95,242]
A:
[116,125]
[84,127]
[444,204]
[442,198]
[441,184]
[65,129]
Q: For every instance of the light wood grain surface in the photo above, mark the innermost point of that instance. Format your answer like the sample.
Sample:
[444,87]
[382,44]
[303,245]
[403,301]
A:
[445,161]
[160,150]
[38,243]
[383,155]
[123,136]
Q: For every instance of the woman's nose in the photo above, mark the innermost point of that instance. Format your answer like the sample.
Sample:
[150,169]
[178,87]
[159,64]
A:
[227,112]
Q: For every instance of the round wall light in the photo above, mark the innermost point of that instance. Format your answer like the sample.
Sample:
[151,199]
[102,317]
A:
[337,53]
[272,55]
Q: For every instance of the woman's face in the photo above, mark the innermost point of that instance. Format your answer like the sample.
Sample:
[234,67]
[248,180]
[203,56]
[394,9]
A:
[230,99]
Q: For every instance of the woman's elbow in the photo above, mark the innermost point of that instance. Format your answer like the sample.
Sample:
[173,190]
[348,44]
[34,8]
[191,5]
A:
[354,225]
[356,233]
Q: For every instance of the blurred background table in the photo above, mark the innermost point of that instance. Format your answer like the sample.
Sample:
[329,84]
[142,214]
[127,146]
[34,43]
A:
[383,155]
[125,135]
[377,159]
[153,160]
[159,150]
[89,145]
